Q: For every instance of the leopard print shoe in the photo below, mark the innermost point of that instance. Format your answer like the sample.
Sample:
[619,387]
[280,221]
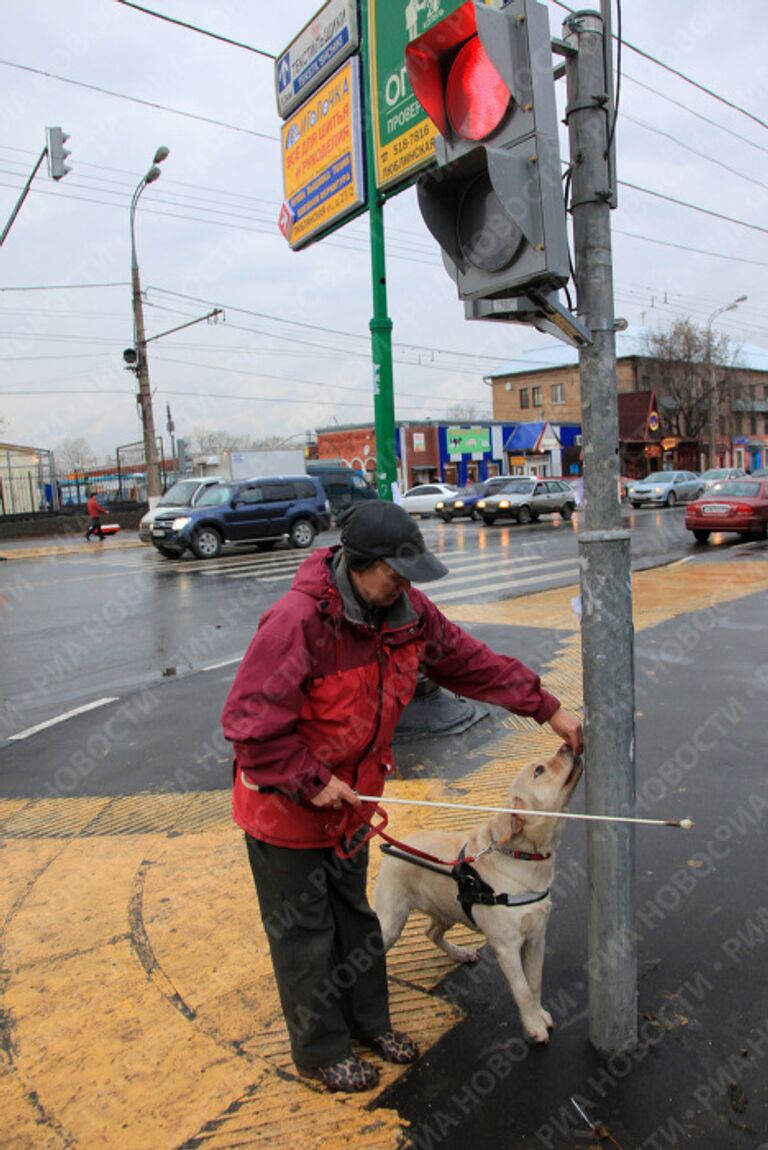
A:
[395,1046]
[352,1075]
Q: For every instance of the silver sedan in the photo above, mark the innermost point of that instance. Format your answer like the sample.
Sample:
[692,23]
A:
[666,487]
[525,498]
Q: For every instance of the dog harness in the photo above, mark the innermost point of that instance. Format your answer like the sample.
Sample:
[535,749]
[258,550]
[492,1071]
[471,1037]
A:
[473,890]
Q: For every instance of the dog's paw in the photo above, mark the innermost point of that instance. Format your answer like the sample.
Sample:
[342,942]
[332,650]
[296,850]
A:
[464,954]
[547,1018]
[537,1027]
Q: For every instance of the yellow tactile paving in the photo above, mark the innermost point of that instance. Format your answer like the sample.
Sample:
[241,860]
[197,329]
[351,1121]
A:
[141,1005]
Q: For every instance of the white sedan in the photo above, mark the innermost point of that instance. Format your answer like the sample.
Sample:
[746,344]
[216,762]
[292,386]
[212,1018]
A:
[421,500]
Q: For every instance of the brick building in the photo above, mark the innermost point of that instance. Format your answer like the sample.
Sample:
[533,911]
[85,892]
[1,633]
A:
[552,394]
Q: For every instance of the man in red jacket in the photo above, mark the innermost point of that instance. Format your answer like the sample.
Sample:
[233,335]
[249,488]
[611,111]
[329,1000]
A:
[311,715]
[94,510]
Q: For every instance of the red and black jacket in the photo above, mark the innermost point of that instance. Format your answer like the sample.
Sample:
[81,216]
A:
[319,694]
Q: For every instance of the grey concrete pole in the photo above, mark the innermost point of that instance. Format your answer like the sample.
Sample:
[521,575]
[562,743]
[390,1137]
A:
[606,589]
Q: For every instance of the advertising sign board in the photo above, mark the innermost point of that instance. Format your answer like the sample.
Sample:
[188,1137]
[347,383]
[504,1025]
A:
[318,50]
[322,158]
[468,440]
[404,133]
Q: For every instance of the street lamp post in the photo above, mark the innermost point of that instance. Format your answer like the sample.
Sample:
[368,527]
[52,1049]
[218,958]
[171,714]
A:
[712,461]
[140,341]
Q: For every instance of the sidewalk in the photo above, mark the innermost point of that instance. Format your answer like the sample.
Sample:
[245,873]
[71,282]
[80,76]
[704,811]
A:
[64,545]
[139,1007]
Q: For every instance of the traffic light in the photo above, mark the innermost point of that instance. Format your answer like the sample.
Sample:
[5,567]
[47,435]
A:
[57,153]
[494,202]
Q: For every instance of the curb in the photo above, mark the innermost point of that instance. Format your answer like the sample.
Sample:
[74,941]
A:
[57,550]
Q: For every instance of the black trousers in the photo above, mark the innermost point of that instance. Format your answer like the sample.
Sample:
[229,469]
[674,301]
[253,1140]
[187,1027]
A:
[94,528]
[326,947]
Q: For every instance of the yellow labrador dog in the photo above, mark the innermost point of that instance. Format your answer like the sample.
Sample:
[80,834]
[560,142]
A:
[500,847]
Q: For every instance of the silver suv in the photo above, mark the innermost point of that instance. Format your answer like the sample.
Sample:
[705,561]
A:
[525,498]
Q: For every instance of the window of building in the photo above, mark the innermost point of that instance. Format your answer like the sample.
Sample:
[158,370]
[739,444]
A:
[558,393]
[765,425]
[737,423]
[537,397]
[753,425]
[525,399]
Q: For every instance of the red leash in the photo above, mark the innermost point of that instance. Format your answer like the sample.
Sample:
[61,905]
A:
[346,829]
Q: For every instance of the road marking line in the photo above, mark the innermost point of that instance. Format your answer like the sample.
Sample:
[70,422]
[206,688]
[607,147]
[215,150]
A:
[60,718]
[225,663]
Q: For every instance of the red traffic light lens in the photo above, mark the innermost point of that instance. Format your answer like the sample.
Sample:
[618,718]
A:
[476,97]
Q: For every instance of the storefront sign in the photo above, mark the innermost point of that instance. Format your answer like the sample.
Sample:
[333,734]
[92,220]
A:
[322,159]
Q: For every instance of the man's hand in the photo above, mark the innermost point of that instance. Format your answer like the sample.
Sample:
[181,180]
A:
[334,793]
[568,727]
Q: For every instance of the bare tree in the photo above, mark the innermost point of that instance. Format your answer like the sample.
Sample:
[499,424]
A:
[466,412]
[213,442]
[210,441]
[75,455]
[685,356]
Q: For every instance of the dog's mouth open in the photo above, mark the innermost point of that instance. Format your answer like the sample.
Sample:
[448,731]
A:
[575,773]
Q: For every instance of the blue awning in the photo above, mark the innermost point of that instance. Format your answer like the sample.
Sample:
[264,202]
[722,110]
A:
[524,437]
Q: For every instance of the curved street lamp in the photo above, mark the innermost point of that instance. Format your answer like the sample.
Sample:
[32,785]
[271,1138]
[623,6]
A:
[712,461]
[141,367]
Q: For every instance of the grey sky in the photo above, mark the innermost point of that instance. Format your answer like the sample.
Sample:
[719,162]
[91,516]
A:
[207,229]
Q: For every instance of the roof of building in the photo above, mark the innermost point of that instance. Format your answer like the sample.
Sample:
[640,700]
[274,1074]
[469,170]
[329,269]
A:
[629,344]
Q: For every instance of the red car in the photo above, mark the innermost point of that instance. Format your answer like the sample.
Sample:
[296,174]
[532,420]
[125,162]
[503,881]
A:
[732,505]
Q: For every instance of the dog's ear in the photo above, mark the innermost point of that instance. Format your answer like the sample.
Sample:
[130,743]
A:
[505,827]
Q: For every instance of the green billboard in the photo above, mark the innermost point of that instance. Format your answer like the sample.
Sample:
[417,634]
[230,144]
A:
[403,133]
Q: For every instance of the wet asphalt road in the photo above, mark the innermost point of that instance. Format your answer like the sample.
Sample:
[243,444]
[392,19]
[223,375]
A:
[140,639]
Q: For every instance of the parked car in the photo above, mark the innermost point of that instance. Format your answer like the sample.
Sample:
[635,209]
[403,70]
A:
[525,498]
[732,505]
[179,496]
[260,511]
[343,486]
[715,474]
[667,487]
[464,502]
[422,500]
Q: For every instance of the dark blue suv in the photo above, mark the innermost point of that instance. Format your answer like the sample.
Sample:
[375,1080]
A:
[260,511]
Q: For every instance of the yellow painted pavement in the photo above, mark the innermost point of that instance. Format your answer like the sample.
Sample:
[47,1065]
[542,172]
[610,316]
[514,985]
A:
[137,996]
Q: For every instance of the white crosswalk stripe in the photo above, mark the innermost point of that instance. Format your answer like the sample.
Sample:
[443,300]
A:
[472,574]
[569,570]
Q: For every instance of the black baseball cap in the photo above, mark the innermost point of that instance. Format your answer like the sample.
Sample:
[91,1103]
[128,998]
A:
[383,530]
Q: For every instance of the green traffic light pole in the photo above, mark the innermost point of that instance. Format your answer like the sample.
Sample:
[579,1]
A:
[380,324]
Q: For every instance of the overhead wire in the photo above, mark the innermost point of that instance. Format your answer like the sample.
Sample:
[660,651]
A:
[196,28]
[136,100]
[681,75]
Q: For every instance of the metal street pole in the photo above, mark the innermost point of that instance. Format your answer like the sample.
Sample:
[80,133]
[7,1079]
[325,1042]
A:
[140,341]
[606,588]
[380,324]
[712,380]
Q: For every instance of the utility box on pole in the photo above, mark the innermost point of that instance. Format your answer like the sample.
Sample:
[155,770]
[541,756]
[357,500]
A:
[606,588]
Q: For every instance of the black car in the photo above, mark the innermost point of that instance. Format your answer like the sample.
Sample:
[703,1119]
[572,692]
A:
[464,502]
[261,511]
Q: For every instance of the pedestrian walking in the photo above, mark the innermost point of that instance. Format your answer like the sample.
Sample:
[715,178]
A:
[311,715]
[95,510]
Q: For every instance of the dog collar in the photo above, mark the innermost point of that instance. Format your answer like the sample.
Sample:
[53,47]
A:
[526,856]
